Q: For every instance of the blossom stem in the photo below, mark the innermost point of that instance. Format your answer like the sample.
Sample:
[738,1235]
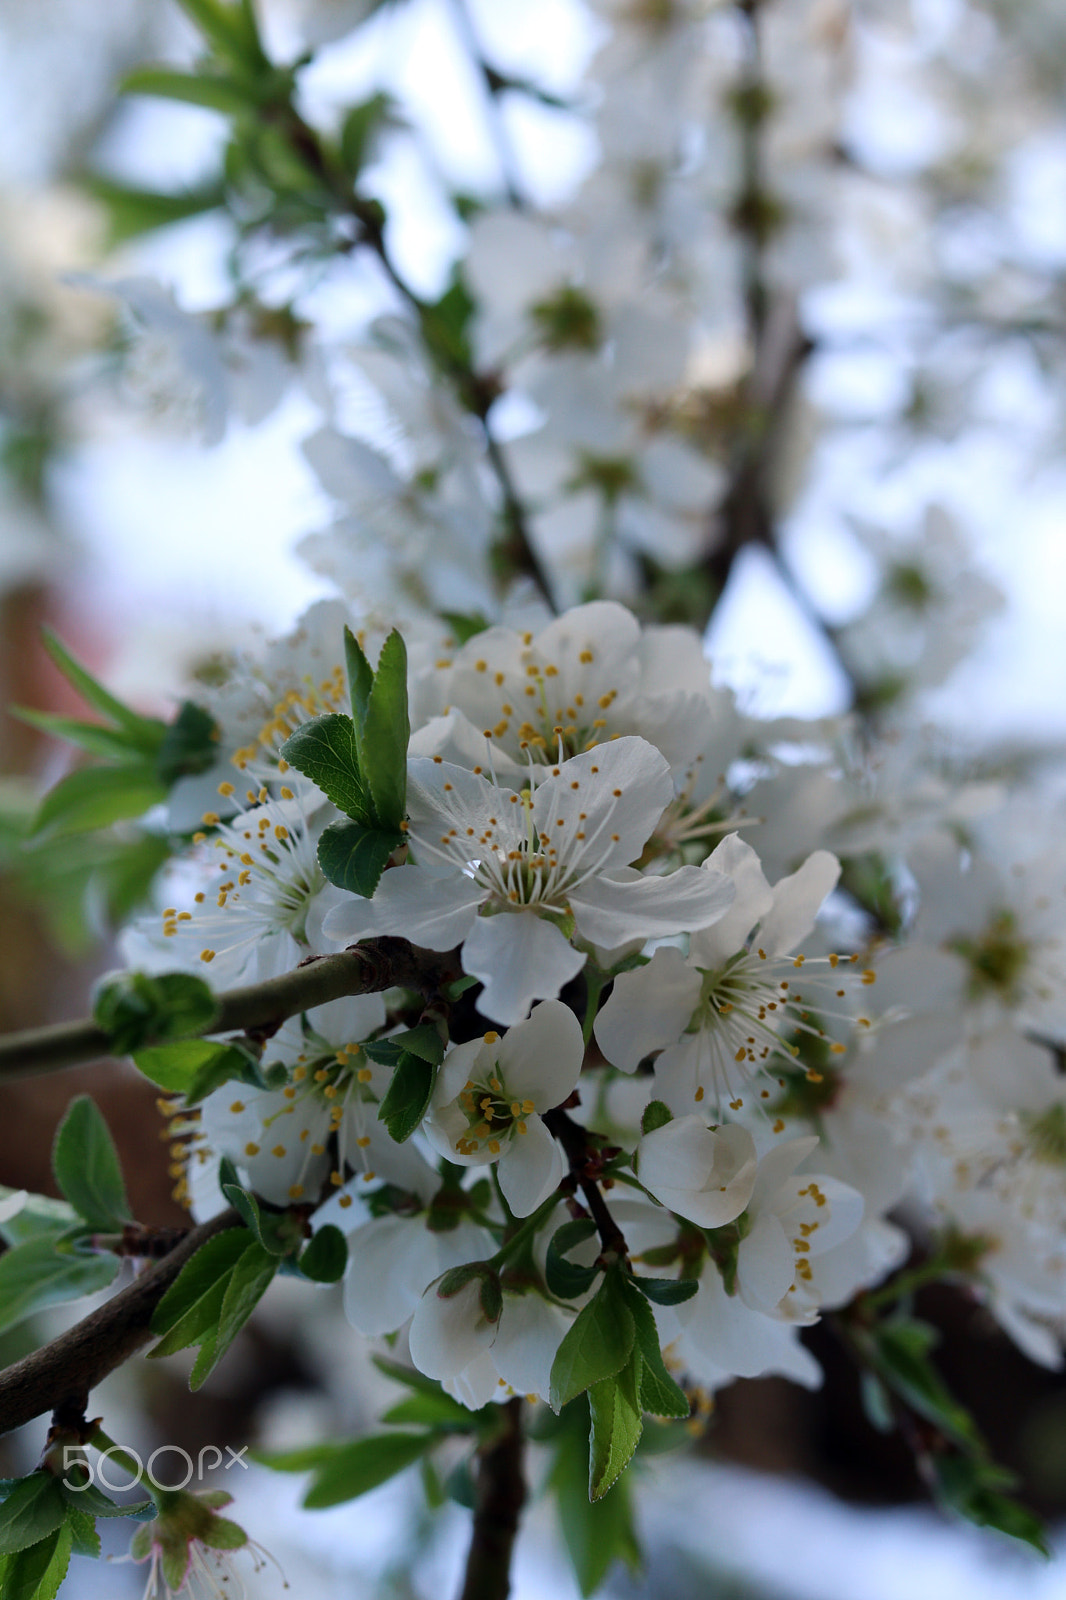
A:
[501,1494]
[259,1008]
[523,1232]
[574,1141]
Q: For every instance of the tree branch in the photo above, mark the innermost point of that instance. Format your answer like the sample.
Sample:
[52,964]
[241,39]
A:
[501,1494]
[259,1008]
[574,1140]
[60,1375]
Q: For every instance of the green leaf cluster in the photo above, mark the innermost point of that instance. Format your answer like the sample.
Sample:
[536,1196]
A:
[51,1258]
[896,1353]
[43,1520]
[139,1008]
[344,1470]
[611,1351]
[414,1057]
[140,757]
[212,1298]
[360,763]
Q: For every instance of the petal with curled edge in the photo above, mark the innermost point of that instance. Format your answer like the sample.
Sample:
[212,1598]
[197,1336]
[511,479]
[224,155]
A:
[648,1009]
[623,905]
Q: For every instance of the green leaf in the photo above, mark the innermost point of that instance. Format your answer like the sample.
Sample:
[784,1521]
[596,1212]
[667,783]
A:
[385,734]
[36,1573]
[464,625]
[901,1359]
[144,732]
[326,1256]
[565,1278]
[94,797]
[326,751]
[301,1460]
[32,1510]
[659,1393]
[667,1291]
[360,677]
[362,1465]
[84,1537]
[354,857]
[132,211]
[358,128]
[423,1041]
[231,30]
[40,1214]
[33,1275]
[189,1305]
[617,1424]
[139,1007]
[89,1499]
[407,1097]
[275,1231]
[189,746]
[596,1346]
[656,1115]
[876,1402]
[596,1532]
[433,1411]
[194,1067]
[209,89]
[248,1281]
[112,744]
[972,1488]
[86,1167]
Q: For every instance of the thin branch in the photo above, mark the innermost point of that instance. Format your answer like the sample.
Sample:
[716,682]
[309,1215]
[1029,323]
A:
[476,391]
[493,85]
[501,1494]
[259,1008]
[574,1140]
[61,1374]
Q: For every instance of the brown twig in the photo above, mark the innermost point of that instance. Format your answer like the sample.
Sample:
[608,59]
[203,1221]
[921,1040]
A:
[259,1008]
[574,1140]
[501,1494]
[59,1376]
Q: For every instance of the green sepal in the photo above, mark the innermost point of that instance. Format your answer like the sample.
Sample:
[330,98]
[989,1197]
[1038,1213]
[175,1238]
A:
[86,1167]
[656,1115]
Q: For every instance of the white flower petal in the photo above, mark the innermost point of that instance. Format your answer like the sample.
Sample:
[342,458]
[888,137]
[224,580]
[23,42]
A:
[754,899]
[698,1173]
[797,901]
[519,958]
[430,911]
[604,804]
[648,1009]
[766,1266]
[612,908]
[532,1166]
[540,1060]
